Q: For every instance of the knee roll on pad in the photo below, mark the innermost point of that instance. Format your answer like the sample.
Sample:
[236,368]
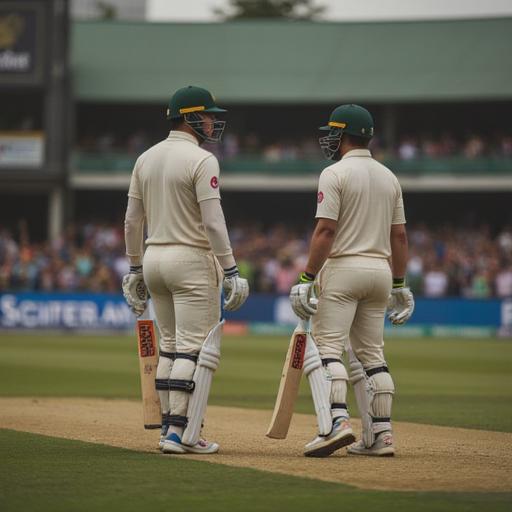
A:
[379,384]
[336,369]
[163,370]
[356,370]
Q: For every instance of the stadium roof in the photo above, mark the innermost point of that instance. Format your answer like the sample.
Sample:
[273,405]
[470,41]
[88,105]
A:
[256,62]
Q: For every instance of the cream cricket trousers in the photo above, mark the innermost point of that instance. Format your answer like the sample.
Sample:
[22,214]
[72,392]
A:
[353,294]
[185,286]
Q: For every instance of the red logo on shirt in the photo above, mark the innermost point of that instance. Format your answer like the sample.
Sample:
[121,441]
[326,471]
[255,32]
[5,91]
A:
[320,197]
[214,182]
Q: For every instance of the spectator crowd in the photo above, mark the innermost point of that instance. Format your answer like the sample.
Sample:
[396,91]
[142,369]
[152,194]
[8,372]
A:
[251,145]
[444,261]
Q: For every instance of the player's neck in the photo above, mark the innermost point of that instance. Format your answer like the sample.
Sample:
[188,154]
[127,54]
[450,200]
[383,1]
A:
[346,147]
[187,129]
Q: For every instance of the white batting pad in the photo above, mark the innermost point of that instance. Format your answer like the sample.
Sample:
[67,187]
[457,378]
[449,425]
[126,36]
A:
[380,393]
[207,363]
[358,381]
[320,386]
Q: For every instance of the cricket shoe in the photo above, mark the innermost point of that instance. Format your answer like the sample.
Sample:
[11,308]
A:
[322,446]
[202,446]
[163,435]
[382,447]
[173,444]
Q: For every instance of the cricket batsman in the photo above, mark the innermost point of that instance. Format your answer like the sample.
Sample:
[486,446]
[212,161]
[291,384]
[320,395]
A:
[356,267]
[175,189]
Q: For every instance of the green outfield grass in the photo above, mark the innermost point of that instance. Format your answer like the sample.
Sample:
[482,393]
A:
[466,383]
[45,474]
[463,383]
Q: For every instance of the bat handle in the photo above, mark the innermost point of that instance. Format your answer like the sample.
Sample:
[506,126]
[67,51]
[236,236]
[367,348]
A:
[146,315]
[304,325]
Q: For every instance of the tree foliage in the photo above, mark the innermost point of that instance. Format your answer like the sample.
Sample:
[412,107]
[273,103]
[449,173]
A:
[276,9]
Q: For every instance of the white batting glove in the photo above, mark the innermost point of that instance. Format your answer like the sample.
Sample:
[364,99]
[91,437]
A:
[135,291]
[302,297]
[400,305]
[236,289]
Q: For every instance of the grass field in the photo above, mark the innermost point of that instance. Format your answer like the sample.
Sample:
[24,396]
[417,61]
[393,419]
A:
[465,383]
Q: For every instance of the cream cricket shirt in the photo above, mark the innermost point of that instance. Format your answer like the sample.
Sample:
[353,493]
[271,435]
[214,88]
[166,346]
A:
[172,178]
[365,198]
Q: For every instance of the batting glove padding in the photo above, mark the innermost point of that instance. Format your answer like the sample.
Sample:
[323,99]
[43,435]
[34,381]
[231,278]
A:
[400,305]
[135,291]
[302,299]
[236,289]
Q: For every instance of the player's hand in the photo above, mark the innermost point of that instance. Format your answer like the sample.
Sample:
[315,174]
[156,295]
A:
[236,289]
[302,297]
[135,291]
[400,305]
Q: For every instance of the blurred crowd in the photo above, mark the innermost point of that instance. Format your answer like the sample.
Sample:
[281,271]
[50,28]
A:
[444,261]
[235,146]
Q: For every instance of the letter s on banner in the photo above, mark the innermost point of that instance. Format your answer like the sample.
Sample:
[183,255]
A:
[9,313]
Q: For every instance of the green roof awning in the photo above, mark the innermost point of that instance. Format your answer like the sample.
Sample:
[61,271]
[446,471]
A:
[289,62]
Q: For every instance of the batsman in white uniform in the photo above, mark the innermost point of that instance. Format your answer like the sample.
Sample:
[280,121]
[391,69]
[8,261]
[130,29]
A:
[175,189]
[356,267]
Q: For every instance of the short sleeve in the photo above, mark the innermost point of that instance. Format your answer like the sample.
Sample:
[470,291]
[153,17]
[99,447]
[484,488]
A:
[206,179]
[329,196]
[135,189]
[398,211]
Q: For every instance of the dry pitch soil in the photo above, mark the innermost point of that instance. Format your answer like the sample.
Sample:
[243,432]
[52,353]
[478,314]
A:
[429,458]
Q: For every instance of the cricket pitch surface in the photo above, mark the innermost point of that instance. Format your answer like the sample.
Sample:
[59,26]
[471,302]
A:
[429,458]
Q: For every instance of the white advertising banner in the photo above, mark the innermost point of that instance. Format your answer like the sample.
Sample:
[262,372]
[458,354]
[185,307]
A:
[21,149]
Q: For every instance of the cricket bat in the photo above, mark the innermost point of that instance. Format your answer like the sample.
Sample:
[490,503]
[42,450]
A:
[148,362]
[290,382]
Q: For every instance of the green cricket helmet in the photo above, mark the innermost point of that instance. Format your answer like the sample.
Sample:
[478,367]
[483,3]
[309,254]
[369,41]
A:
[189,103]
[352,119]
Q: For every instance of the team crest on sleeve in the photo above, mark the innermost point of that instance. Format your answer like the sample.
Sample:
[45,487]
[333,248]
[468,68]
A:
[214,182]
[320,197]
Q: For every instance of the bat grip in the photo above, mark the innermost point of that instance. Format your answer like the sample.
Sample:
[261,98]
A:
[304,325]
[146,315]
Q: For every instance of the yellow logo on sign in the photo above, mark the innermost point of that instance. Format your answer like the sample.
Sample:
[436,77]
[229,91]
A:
[11,27]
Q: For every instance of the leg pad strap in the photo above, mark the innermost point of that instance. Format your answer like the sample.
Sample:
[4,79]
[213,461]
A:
[182,385]
[190,357]
[168,355]
[162,385]
[177,420]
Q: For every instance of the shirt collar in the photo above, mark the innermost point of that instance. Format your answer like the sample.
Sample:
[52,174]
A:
[357,152]
[179,135]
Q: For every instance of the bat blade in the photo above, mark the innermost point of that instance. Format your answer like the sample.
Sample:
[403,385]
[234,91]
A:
[289,385]
[148,362]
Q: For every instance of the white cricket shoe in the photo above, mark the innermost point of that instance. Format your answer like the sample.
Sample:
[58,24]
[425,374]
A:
[163,435]
[202,446]
[322,446]
[173,444]
[382,447]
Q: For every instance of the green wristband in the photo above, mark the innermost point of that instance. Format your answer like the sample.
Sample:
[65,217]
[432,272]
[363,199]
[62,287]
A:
[306,277]
[398,282]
